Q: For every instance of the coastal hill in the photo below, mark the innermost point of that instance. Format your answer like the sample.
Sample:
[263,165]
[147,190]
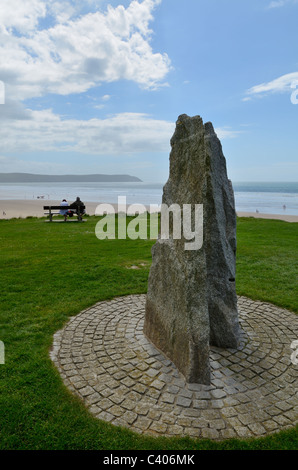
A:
[31,178]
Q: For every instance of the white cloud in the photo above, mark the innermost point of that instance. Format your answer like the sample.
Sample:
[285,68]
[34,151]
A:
[280,3]
[280,84]
[277,4]
[48,46]
[21,15]
[131,165]
[120,134]
[226,133]
[76,53]
[13,110]
[19,165]
[117,135]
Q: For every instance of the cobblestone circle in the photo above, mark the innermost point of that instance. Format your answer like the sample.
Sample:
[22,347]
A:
[105,359]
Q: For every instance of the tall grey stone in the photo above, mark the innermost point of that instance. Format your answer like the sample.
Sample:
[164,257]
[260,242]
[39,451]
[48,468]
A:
[191,300]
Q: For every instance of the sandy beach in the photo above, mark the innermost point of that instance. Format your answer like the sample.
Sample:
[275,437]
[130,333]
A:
[34,208]
[284,217]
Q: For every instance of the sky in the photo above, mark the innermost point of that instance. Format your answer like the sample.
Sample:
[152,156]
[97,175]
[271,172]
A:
[95,86]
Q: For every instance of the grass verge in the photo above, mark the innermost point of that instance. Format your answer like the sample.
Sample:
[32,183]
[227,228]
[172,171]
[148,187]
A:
[50,272]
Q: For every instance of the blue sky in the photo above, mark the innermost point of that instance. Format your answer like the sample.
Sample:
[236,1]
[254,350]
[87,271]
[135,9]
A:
[96,86]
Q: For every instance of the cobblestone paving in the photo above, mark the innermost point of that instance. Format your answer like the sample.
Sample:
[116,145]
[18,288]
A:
[105,359]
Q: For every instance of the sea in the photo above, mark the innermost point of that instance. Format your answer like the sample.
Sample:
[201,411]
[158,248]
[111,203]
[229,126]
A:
[266,198]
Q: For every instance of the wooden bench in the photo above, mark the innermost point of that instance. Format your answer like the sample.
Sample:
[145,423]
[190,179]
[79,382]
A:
[55,210]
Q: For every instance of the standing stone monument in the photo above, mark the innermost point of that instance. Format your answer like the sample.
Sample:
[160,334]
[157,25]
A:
[191,300]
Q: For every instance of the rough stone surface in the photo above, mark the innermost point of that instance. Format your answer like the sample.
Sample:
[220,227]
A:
[191,300]
[105,359]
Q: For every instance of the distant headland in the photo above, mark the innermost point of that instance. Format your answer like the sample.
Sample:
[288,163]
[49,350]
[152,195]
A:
[32,178]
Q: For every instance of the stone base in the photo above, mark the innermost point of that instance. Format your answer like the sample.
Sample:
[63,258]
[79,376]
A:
[105,359]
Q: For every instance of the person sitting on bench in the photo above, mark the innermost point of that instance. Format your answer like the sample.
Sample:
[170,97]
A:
[64,212]
[79,206]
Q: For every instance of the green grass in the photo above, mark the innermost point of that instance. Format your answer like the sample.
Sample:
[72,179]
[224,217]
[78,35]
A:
[50,272]
[267,261]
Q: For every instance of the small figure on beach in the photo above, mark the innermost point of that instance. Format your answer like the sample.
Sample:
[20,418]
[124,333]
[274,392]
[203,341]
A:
[257,211]
[284,207]
[64,211]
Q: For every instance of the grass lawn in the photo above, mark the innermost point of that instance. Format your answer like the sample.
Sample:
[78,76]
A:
[50,272]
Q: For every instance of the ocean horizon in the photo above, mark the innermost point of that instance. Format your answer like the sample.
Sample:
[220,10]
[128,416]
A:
[266,198]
